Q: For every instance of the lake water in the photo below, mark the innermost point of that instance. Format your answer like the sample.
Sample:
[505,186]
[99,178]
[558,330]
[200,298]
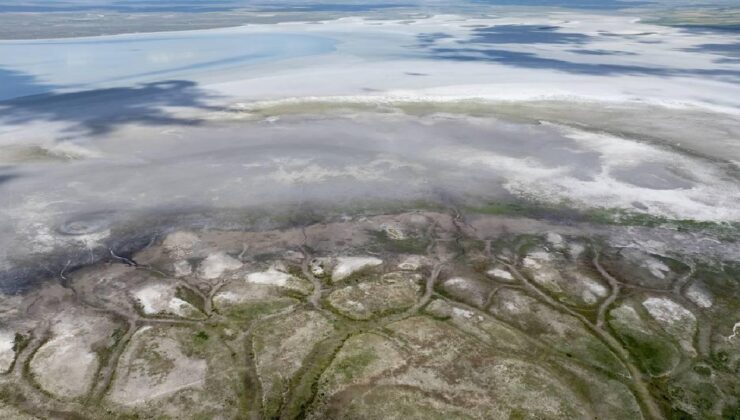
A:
[33,67]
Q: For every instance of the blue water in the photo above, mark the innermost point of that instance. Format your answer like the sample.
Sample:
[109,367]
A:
[347,6]
[33,67]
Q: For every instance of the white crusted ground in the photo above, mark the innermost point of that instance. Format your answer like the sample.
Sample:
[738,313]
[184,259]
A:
[180,244]
[700,296]
[7,340]
[159,298]
[675,319]
[459,283]
[541,268]
[215,265]
[501,274]
[735,331]
[66,364]
[154,367]
[275,276]
[182,268]
[346,266]
[412,263]
[270,277]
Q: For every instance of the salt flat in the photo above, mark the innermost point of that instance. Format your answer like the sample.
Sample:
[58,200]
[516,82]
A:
[371,210]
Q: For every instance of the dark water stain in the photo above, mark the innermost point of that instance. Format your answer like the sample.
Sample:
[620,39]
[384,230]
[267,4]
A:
[524,34]
[732,28]
[14,83]
[99,111]
[731,50]
[6,177]
[533,61]
[429,39]
[601,52]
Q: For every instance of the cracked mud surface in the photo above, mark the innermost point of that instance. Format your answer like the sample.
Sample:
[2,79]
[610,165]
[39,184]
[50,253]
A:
[424,314]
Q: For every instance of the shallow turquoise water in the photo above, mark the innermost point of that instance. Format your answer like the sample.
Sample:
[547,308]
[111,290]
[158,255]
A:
[33,67]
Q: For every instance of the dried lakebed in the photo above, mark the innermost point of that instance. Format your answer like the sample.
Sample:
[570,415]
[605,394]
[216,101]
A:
[420,314]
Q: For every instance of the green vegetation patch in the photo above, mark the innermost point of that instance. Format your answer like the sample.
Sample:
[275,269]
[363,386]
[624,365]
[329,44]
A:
[189,296]
[655,354]
[601,215]
[198,343]
[156,363]
[370,299]
[250,311]
[409,245]
[281,346]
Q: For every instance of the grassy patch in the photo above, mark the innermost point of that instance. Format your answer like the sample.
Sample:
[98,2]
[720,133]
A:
[105,349]
[305,384]
[249,312]
[189,296]
[354,364]
[11,395]
[196,345]
[156,362]
[410,245]
[654,355]
[20,342]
